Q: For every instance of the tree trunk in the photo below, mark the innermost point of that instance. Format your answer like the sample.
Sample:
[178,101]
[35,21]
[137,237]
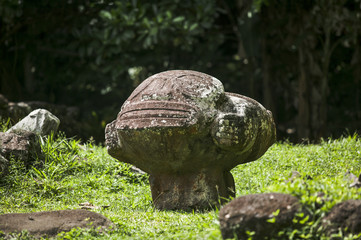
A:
[303,121]
[327,51]
[267,89]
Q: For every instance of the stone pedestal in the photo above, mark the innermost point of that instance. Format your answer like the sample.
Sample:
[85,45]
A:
[208,187]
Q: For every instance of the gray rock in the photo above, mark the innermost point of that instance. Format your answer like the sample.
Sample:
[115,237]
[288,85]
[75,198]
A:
[344,216]
[253,213]
[41,224]
[355,181]
[40,121]
[183,129]
[24,146]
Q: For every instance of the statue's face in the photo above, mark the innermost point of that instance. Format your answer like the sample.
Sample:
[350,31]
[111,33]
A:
[175,117]
[171,99]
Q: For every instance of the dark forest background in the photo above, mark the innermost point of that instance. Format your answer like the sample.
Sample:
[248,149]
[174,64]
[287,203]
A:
[299,58]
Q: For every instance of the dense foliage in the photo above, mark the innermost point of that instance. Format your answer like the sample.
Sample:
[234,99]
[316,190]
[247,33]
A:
[299,58]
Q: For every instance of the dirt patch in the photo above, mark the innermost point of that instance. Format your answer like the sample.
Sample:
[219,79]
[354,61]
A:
[51,223]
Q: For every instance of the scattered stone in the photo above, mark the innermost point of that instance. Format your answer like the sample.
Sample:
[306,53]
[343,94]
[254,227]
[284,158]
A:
[183,129]
[24,146]
[350,176]
[263,215]
[40,121]
[355,181]
[345,216]
[41,224]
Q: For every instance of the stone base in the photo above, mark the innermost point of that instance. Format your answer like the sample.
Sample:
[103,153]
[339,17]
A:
[200,190]
[49,224]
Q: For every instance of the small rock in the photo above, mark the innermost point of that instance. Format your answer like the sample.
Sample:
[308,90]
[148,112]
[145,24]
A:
[51,223]
[345,216]
[24,146]
[264,214]
[356,181]
[40,121]
[294,175]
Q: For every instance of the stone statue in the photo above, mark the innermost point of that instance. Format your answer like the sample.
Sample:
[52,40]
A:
[183,129]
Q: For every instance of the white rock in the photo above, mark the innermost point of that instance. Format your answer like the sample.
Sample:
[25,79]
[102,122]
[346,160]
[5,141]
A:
[39,121]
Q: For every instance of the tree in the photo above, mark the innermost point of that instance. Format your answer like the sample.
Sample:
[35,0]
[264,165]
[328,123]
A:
[289,55]
[316,36]
[93,53]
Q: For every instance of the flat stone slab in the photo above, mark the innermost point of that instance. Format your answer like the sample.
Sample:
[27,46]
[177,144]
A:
[51,223]
[264,214]
[344,216]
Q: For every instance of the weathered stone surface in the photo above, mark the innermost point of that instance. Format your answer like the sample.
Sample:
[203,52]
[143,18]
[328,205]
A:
[194,190]
[345,216]
[253,212]
[40,121]
[187,133]
[355,182]
[49,224]
[24,146]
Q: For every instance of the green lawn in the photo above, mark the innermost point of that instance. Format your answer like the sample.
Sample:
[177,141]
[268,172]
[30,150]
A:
[74,173]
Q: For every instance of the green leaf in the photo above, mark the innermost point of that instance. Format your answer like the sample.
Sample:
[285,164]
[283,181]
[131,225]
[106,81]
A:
[303,221]
[276,213]
[193,26]
[105,15]
[169,14]
[178,19]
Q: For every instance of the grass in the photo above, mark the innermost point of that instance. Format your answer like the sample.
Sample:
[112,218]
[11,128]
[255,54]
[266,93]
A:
[70,173]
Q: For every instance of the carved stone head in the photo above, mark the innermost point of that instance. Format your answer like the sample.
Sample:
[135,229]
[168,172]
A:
[188,133]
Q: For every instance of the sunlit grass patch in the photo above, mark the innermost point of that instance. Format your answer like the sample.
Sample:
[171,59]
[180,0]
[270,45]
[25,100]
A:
[71,173]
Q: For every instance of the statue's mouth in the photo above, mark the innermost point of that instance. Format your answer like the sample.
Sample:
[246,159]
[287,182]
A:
[155,114]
